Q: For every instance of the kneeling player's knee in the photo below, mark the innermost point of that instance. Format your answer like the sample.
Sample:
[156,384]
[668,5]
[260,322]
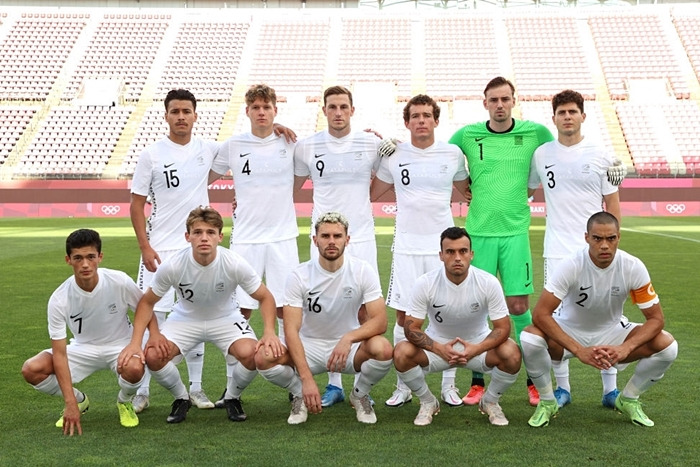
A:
[669,353]
[36,369]
[29,373]
[264,359]
[133,371]
[402,355]
[384,351]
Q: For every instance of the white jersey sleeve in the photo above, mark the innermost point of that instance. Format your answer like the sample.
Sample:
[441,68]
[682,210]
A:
[175,177]
[574,181]
[341,170]
[98,317]
[423,180]
[593,298]
[204,292]
[458,310]
[263,177]
[330,301]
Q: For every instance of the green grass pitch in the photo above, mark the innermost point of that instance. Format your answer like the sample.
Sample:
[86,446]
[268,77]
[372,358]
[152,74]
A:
[584,433]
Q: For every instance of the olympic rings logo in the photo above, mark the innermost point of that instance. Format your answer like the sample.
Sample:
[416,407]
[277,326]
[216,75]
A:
[675,208]
[110,210]
[389,208]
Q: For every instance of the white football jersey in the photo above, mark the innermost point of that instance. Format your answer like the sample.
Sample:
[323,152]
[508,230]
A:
[422,179]
[574,180]
[263,177]
[330,301]
[205,292]
[341,170]
[457,310]
[593,298]
[176,178]
[98,317]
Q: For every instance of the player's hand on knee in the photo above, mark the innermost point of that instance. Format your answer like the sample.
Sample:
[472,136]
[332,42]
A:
[129,352]
[271,345]
[159,344]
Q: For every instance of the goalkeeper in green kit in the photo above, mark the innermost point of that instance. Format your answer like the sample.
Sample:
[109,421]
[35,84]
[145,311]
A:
[499,152]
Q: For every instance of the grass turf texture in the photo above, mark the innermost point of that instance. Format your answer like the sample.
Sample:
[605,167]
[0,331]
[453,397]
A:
[583,433]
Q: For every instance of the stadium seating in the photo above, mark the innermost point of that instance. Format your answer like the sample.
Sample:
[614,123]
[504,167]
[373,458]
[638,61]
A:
[121,48]
[205,59]
[461,55]
[290,56]
[634,45]
[73,142]
[33,53]
[376,50]
[48,54]
[548,56]
[688,28]
[15,120]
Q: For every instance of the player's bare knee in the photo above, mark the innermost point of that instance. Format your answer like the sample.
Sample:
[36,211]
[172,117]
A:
[155,363]
[38,368]
[248,360]
[518,308]
[384,349]
[132,372]
[264,359]
[403,356]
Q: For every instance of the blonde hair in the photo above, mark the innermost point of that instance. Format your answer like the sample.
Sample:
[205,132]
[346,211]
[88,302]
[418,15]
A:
[332,217]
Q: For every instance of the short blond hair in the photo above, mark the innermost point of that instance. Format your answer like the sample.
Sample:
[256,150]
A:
[332,217]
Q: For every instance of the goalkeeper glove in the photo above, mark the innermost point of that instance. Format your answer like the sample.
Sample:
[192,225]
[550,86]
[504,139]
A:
[387,147]
[617,172]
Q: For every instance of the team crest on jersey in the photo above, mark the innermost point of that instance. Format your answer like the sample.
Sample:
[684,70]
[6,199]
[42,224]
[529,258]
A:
[474,307]
[283,153]
[518,140]
[347,293]
[614,291]
[112,308]
[219,287]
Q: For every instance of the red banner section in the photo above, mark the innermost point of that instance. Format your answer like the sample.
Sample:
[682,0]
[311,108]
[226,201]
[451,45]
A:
[110,198]
[654,208]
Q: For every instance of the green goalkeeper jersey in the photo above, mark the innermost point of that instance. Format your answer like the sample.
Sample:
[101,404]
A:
[499,165]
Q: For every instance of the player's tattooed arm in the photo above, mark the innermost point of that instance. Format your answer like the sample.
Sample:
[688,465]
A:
[415,334]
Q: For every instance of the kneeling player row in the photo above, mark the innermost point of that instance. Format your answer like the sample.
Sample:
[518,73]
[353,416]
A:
[321,330]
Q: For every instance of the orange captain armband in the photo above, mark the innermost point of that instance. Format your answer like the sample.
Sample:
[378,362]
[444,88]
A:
[645,295]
